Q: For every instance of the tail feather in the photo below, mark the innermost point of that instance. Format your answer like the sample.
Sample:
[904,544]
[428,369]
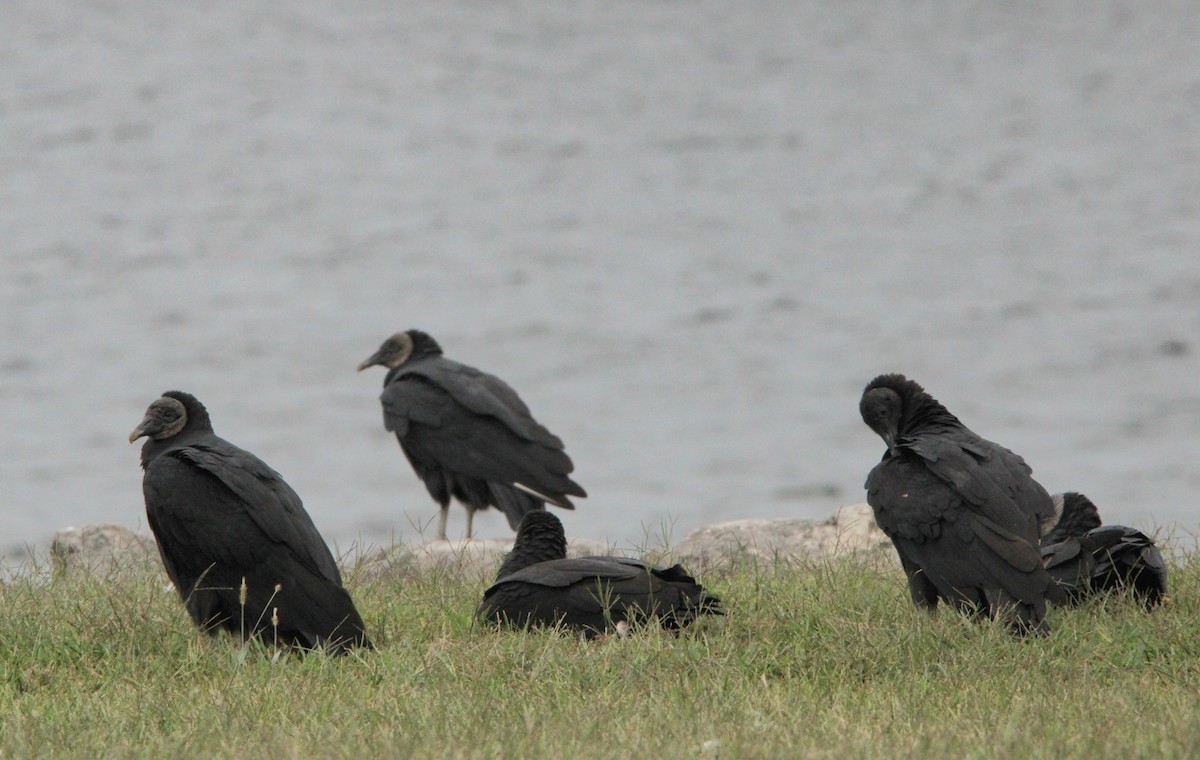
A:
[514,503]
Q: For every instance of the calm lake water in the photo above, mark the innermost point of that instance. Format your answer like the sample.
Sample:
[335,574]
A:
[687,233]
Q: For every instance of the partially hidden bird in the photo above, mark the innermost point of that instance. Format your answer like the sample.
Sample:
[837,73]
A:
[1087,559]
[537,586]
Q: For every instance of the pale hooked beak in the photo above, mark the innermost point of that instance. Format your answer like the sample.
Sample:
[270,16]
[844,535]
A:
[138,431]
[890,440]
[370,361]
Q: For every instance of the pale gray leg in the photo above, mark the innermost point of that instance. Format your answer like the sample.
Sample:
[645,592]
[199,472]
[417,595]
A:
[442,523]
[470,519]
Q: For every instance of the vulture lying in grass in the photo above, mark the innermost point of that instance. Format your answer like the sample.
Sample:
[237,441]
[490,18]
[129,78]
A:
[468,435]
[963,513]
[1086,559]
[537,586]
[235,539]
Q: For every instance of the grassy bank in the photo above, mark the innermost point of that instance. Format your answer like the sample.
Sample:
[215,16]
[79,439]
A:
[826,661]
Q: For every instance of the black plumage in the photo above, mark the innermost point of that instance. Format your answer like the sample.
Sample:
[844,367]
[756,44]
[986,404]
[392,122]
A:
[1085,559]
[467,434]
[223,518]
[963,512]
[1074,514]
[537,586]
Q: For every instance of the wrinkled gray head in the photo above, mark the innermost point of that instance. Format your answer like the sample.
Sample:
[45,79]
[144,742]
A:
[401,348]
[165,418]
[171,415]
[394,352]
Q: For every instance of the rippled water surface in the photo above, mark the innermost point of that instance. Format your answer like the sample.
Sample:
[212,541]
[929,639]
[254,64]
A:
[687,233]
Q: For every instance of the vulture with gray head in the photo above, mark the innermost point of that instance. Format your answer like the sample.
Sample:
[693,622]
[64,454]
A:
[537,586]
[235,539]
[467,434]
[963,513]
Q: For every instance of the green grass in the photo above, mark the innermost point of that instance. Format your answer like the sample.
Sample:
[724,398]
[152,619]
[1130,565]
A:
[822,661]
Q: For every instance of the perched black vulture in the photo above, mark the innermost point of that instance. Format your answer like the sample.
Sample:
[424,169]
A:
[1085,559]
[537,586]
[222,519]
[468,435]
[963,512]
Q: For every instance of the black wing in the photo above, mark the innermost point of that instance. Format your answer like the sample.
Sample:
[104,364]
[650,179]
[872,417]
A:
[435,427]
[268,500]
[593,593]
[990,478]
[211,538]
[486,395]
[559,573]
[959,547]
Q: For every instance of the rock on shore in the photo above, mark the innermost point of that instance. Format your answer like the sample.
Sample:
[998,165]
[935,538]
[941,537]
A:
[851,531]
[100,548]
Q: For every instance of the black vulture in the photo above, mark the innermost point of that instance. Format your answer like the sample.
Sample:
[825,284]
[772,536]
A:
[235,538]
[468,435]
[963,512]
[1085,559]
[537,586]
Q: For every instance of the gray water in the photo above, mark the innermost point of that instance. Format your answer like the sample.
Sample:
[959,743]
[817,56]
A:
[687,233]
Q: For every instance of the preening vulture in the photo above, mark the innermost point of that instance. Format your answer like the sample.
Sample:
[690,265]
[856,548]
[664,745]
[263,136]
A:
[963,513]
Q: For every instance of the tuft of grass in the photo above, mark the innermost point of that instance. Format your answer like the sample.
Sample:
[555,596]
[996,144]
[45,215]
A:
[819,660]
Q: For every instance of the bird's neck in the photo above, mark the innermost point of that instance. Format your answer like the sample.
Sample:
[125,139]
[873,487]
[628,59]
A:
[152,449]
[531,552]
[923,412]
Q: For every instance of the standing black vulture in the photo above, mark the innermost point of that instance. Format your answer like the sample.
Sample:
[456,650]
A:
[468,435]
[538,586]
[227,525]
[1085,559]
[963,512]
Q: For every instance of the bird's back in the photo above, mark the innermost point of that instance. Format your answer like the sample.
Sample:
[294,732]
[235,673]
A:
[988,478]
[592,593]
[478,392]
[260,493]
[223,518]
[958,514]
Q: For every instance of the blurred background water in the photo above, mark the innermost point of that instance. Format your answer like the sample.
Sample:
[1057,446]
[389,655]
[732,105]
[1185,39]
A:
[687,233]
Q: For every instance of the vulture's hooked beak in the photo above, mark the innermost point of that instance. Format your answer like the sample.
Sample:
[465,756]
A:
[141,430]
[890,439]
[370,361]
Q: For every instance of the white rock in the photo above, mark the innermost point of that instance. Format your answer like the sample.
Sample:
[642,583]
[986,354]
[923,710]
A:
[101,548]
[851,531]
[481,556]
